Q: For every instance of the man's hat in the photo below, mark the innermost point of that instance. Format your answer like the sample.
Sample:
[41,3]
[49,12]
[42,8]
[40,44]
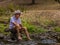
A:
[17,12]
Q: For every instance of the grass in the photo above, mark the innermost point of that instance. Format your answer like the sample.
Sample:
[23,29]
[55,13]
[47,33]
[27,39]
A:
[31,28]
[36,21]
[2,27]
[34,17]
[57,29]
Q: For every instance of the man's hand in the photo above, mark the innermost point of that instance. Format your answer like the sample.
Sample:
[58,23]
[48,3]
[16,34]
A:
[20,25]
[17,25]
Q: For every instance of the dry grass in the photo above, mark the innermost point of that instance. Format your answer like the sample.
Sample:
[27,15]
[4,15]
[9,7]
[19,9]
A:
[40,4]
[45,13]
[36,20]
[43,17]
[39,17]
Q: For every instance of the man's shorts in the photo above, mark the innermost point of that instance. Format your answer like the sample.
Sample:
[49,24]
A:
[13,30]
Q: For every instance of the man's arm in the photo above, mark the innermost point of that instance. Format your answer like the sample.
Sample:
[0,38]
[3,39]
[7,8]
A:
[13,21]
[20,25]
[17,25]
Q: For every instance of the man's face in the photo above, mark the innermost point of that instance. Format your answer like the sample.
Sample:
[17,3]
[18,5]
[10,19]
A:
[17,16]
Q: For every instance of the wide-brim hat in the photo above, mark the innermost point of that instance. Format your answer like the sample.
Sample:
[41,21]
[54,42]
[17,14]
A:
[17,12]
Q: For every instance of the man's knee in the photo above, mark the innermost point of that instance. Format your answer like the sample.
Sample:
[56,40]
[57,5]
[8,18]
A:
[25,28]
[18,28]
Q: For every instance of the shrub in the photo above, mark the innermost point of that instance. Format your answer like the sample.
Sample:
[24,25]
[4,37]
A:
[11,7]
[2,11]
[57,29]
[32,28]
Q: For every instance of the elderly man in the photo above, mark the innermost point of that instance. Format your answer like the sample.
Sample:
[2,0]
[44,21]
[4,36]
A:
[15,24]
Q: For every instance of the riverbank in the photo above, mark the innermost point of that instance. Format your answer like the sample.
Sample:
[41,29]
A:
[47,38]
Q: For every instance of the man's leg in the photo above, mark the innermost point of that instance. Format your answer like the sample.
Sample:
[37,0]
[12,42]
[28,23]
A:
[18,32]
[13,33]
[26,32]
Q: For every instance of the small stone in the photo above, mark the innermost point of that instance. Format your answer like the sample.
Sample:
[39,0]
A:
[1,36]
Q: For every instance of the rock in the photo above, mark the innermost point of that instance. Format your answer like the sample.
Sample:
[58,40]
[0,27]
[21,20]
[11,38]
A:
[1,43]
[1,36]
[48,41]
[57,44]
[46,38]
[7,30]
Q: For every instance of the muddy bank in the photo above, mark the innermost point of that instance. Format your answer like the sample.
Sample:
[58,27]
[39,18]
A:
[47,38]
[47,35]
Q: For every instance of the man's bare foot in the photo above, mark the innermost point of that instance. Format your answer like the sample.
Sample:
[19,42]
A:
[19,38]
[29,39]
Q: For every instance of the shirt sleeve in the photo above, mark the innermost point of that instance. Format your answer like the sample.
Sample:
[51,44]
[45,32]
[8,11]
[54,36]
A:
[19,21]
[12,20]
